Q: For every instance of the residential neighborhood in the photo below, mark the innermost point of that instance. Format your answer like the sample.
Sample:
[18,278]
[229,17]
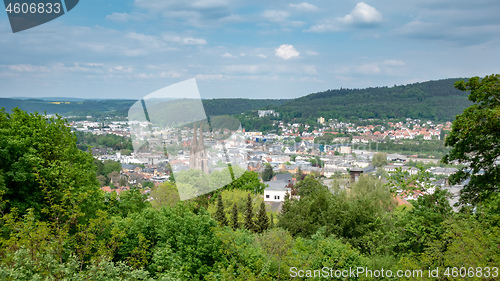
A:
[329,149]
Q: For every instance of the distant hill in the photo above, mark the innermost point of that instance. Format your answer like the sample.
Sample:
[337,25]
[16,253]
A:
[67,107]
[103,107]
[237,106]
[432,100]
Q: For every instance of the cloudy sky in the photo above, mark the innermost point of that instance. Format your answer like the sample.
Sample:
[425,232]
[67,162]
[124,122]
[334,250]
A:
[250,49]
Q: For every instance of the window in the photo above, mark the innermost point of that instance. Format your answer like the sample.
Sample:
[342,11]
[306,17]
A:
[267,195]
[277,197]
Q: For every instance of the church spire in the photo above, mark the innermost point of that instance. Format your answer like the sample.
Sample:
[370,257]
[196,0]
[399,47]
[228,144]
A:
[195,140]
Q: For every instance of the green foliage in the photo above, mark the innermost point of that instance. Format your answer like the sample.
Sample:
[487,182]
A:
[418,228]
[352,214]
[475,136]
[110,141]
[249,223]
[262,222]
[129,201]
[327,251]
[24,267]
[39,158]
[248,181]
[234,217]
[422,148]
[268,173]
[179,238]
[427,99]
[379,159]
[165,194]
[236,106]
[220,215]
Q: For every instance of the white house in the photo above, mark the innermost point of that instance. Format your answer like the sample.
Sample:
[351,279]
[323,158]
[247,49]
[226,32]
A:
[276,190]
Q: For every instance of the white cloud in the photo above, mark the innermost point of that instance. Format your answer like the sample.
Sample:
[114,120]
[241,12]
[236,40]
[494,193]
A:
[118,17]
[209,77]
[170,74]
[227,55]
[245,69]
[262,56]
[389,67]
[286,52]
[368,69]
[363,15]
[184,40]
[120,68]
[125,17]
[304,6]
[393,63]
[275,15]
[28,68]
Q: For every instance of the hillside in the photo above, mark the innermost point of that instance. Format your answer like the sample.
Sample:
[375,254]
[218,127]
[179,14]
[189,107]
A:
[65,106]
[434,100]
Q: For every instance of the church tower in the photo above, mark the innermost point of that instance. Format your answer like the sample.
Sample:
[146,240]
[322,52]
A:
[198,158]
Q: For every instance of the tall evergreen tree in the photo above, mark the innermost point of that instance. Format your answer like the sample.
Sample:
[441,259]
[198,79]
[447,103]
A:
[249,224]
[262,223]
[220,216]
[286,204]
[271,222]
[234,223]
[268,173]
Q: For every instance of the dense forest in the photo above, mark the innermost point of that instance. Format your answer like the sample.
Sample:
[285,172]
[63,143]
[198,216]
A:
[432,100]
[71,107]
[237,106]
[118,107]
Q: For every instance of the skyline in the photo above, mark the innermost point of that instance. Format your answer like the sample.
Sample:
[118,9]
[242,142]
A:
[238,49]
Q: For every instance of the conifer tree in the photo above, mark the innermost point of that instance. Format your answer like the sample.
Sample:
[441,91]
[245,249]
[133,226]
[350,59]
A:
[220,216]
[249,224]
[286,204]
[262,219]
[271,222]
[234,224]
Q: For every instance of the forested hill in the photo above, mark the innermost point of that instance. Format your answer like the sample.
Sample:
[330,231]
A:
[435,100]
[237,106]
[69,106]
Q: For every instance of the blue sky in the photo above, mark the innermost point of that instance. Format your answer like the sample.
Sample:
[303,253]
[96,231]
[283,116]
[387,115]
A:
[249,49]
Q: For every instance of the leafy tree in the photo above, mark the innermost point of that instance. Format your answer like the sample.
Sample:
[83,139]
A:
[234,217]
[102,180]
[114,177]
[130,201]
[262,223]
[164,194]
[475,136]
[268,173]
[175,239]
[379,159]
[123,181]
[39,160]
[220,215]
[249,223]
